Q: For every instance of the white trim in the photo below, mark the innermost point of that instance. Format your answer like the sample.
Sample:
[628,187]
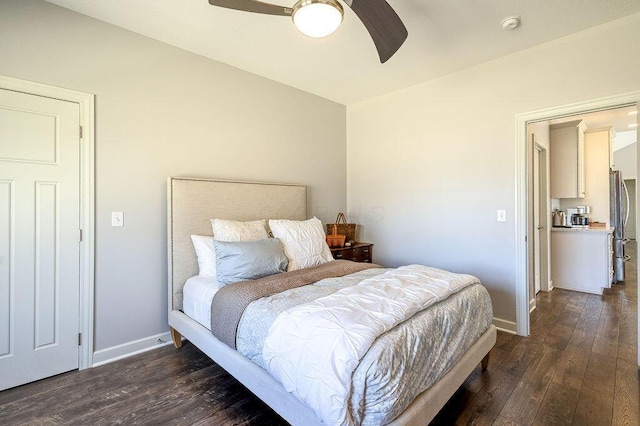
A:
[125,350]
[86,102]
[582,290]
[504,325]
[532,305]
[522,284]
[522,289]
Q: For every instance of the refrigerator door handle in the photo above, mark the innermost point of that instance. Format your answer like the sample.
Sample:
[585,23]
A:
[626,193]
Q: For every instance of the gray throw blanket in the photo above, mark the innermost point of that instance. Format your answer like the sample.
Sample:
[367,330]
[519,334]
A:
[230,301]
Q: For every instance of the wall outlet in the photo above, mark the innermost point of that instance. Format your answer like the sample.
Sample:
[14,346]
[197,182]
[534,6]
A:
[502,215]
[117,219]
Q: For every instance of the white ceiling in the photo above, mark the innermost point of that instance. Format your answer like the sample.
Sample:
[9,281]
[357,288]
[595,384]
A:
[444,36]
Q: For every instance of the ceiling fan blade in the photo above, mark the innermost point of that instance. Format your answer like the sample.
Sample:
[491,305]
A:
[385,27]
[253,6]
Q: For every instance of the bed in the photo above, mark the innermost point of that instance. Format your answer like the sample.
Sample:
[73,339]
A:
[191,204]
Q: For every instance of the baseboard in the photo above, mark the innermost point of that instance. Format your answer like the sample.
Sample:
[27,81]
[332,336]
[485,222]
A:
[114,353]
[550,287]
[532,305]
[504,325]
[582,290]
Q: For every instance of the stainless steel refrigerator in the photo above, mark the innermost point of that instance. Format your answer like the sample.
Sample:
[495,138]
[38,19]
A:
[619,213]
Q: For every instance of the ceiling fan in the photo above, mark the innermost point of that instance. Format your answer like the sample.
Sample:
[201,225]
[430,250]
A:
[319,18]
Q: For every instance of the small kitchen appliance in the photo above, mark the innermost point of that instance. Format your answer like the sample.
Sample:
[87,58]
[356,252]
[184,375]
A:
[576,217]
[559,218]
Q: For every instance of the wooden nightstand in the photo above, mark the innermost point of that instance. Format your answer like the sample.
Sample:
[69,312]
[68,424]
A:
[358,252]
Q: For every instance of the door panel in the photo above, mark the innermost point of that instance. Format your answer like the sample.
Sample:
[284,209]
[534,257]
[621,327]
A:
[38,145]
[39,242]
[46,279]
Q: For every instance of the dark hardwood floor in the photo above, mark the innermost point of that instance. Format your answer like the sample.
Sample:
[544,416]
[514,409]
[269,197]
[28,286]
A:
[579,366]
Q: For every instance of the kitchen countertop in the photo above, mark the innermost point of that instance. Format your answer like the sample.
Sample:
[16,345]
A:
[607,230]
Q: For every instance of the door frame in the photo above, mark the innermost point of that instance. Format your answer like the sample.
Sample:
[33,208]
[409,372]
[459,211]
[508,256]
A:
[86,102]
[539,209]
[522,215]
[540,146]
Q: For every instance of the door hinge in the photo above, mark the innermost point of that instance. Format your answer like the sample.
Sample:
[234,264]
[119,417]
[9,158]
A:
[80,132]
[79,339]
[81,235]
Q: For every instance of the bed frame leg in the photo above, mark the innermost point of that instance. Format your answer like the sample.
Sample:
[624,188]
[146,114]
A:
[485,361]
[177,338]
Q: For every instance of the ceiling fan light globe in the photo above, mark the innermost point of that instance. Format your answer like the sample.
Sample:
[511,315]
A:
[317,18]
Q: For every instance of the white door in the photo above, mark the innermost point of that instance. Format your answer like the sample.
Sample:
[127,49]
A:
[536,221]
[39,237]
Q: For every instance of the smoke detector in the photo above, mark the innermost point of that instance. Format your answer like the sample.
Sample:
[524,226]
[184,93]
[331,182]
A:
[511,23]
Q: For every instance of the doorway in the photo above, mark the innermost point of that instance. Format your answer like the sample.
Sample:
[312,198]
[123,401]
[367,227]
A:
[46,209]
[539,212]
[523,204]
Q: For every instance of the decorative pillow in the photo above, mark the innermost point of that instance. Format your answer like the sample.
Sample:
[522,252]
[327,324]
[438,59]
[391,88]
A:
[248,260]
[206,254]
[304,242]
[231,230]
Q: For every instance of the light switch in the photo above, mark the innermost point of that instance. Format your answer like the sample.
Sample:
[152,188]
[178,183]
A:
[117,219]
[502,215]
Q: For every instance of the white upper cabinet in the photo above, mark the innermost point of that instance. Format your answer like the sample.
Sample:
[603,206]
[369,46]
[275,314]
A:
[605,136]
[597,152]
[567,163]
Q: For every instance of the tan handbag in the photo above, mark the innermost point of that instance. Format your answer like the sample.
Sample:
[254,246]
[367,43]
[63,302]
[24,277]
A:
[334,239]
[344,228]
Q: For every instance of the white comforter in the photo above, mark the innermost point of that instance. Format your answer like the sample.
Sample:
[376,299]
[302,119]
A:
[313,348]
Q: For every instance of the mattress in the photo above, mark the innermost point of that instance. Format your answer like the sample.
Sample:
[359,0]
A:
[402,362]
[198,294]
[445,332]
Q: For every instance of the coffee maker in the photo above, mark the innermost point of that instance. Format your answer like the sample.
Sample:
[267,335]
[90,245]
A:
[576,217]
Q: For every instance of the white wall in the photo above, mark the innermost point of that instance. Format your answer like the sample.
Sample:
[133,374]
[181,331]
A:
[428,166]
[164,112]
[540,132]
[625,161]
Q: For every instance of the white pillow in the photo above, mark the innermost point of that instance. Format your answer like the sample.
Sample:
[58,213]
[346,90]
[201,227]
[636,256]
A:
[231,230]
[304,242]
[225,230]
[206,254]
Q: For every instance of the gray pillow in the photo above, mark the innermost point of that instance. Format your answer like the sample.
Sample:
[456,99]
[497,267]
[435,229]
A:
[248,260]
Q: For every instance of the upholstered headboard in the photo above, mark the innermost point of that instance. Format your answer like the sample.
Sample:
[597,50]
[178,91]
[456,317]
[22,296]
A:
[192,203]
